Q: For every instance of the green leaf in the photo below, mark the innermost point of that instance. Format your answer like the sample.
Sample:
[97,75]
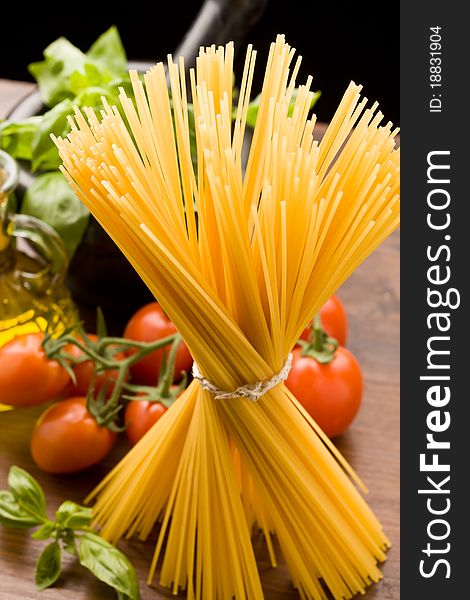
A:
[61,59]
[101,329]
[66,77]
[48,566]
[68,540]
[92,96]
[73,516]
[44,532]
[44,153]
[13,515]
[51,199]
[109,52]
[66,70]
[27,492]
[16,137]
[109,565]
[91,77]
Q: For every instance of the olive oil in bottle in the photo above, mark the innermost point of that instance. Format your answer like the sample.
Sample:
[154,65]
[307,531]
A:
[33,262]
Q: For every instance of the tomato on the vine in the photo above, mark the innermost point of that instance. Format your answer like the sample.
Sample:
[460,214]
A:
[333,319]
[67,438]
[148,324]
[27,376]
[139,417]
[149,403]
[331,393]
[84,373]
[326,379]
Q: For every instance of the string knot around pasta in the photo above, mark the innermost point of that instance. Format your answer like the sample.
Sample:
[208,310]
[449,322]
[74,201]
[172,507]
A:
[252,391]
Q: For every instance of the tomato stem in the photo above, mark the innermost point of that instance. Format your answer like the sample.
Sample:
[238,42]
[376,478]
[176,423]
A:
[96,351]
[103,355]
[169,370]
[164,392]
[320,345]
[105,411]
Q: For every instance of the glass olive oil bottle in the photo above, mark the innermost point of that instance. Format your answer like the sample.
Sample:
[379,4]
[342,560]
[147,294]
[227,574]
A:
[33,262]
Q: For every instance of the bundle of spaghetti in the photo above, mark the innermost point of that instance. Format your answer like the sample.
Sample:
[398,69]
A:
[240,259]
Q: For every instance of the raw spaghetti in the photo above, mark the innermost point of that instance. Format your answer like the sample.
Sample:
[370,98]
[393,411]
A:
[240,260]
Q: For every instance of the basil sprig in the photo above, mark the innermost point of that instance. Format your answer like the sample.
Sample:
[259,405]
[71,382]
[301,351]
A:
[23,505]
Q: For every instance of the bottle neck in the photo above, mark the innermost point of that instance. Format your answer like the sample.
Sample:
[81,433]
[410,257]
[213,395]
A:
[6,225]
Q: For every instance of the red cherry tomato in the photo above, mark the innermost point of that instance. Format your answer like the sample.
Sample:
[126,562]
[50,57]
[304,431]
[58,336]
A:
[333,319]
[148,324]
[67,439]
[139,417]
[84,372]
[331,392]
[27,376]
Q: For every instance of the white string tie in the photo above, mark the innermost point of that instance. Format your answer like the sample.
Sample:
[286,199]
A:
[252,391]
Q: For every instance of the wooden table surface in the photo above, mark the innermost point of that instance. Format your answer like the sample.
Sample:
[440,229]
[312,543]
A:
[371,297]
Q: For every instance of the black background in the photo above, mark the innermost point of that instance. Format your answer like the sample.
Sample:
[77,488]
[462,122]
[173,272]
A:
[423,132]
[339,41]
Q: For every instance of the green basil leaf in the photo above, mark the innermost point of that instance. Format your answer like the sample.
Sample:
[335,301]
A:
[44,532]
[48,566]
[70,515]
[109,52]
[91,77]
[92,96]
[13,515]
[44,153]
[16,137]
[51,199]
[109,565]
[68,540]
[65,68]
[27,492]
[61,59]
